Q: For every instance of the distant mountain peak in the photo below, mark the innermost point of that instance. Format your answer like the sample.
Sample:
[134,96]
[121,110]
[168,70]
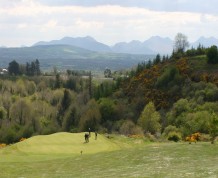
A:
[205,41]
[158,38]
[78,38]
[89,38]
[203,38]
[83,42]
[155,37]
[135,42]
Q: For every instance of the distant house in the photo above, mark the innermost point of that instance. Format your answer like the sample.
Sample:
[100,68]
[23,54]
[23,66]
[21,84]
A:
[3,71]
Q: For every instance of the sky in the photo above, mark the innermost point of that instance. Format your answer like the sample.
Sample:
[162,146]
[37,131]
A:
[25,22]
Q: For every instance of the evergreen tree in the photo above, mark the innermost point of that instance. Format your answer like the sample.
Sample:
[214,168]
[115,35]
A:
[69,120]
[37,67]
[141,66]
[148,65]
[33,68]
[163,58]
[13,68]
[212,55]
[65,103]
[28,69]
[157,59]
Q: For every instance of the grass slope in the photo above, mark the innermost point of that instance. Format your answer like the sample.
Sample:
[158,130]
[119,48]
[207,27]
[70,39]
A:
[199,63]
[62,143]
[129,158]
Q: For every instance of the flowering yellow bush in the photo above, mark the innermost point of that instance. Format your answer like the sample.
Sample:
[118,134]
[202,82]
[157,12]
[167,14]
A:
[22,139]
[2,145]
[193,138]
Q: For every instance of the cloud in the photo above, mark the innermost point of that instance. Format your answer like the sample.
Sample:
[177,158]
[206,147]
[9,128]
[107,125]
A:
[200,6]
[22,26]
[29,21]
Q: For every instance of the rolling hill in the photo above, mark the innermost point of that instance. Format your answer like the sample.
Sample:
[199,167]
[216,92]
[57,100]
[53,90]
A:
[69,57]
[62,143]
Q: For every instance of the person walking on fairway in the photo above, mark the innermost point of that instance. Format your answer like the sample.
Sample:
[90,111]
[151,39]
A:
[86,137]
[96,134]
[89,132]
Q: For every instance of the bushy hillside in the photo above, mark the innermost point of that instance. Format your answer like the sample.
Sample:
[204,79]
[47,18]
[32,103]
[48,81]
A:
[169,98]
[162,83]
[184,92]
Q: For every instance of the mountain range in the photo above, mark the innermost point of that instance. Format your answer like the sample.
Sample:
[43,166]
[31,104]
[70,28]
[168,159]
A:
[151,46]
[82,42]
[85,53]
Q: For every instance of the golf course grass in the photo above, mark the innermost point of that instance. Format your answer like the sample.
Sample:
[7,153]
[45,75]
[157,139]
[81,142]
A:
[67,143]
[59,155]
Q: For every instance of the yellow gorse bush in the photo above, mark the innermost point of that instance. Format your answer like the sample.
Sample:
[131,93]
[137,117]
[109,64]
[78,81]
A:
[2,145]
[22,139]
[193,138]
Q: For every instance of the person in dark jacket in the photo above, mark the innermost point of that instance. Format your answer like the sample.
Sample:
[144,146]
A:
[96,134]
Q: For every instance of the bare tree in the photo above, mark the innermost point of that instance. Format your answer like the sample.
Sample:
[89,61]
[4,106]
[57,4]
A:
[180,43]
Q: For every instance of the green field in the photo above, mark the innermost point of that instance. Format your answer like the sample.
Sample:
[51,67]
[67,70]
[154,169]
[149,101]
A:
[59,155]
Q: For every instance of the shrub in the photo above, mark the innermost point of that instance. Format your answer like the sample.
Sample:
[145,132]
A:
[74,130]
[25,132]
[9,137]
[2,145]
[205,138]
[193,137]
[172,133]
[150,137]
[170,129]
[49,130]
[129,128]
[174,136]
[169,77]
[22,139]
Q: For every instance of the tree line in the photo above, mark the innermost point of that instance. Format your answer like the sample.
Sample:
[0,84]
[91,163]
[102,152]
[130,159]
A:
[29,69]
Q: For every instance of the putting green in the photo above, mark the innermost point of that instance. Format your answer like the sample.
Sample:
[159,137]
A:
[62,143]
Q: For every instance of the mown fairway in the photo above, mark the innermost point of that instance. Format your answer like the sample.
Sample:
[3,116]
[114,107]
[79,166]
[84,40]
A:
[58,155]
